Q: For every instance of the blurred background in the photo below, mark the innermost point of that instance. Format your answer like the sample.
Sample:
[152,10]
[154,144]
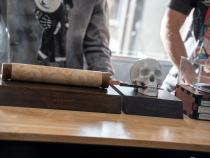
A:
[135,33]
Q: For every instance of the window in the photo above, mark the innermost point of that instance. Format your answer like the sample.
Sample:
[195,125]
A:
[135,27]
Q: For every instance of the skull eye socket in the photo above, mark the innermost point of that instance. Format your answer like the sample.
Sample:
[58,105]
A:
[158,73]
[145,72]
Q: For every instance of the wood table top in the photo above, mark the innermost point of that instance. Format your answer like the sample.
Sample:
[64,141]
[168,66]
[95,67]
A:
[44,125]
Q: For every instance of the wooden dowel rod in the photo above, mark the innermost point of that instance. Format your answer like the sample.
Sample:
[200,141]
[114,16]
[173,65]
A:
[56,75]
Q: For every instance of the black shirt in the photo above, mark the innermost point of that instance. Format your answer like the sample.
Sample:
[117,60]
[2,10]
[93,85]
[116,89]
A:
[185,7]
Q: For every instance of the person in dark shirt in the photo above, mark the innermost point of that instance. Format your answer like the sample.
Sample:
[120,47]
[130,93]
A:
[174,18]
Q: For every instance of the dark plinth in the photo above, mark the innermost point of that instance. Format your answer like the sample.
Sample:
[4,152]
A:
[50,96]
[165,105]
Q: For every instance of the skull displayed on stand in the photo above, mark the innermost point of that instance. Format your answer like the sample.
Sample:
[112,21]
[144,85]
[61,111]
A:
[147,72]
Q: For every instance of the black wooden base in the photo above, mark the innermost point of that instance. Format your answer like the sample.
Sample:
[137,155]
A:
[165,105]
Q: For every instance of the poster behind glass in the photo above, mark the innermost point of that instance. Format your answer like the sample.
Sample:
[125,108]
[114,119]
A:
[37,30]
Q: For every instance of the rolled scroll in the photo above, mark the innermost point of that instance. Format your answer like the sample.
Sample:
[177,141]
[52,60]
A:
[55,75]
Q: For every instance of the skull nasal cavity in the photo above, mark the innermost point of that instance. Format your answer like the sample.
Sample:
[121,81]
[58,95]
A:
[152,78]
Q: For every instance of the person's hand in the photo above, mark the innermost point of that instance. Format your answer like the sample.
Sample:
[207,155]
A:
[187,71]
[114,82]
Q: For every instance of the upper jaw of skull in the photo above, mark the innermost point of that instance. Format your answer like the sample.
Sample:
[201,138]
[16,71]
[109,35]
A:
[151,79]
[150,90]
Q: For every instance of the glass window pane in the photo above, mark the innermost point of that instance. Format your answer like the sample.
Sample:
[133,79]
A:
[138,33]
[118,9]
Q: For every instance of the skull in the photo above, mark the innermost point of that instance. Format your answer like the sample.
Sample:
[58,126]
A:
[147,72]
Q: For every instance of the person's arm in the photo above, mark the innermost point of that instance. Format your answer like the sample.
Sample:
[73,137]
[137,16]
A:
[170,35]
[96,42]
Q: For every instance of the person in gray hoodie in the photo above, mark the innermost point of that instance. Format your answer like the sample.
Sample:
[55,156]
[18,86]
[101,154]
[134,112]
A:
[75,35]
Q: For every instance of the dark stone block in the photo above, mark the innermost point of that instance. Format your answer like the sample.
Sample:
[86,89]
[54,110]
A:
[165,105]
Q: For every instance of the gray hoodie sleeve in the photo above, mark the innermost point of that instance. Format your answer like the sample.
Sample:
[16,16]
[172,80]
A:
[96,42]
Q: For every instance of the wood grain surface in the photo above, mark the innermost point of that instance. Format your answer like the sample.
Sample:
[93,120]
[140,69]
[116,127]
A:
[103,129]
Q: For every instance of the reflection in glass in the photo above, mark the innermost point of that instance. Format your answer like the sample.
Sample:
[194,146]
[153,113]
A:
[135,27]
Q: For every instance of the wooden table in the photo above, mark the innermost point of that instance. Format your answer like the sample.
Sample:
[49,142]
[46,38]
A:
[44,125]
